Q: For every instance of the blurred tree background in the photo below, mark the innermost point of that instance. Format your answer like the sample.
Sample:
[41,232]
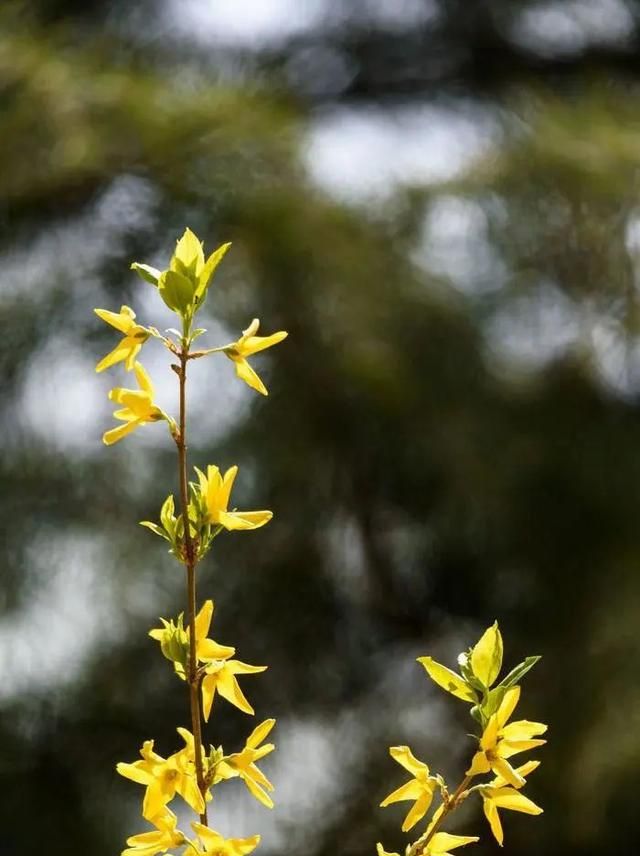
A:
[439,199]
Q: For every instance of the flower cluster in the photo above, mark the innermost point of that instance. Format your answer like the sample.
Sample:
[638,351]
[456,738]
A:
[183,287]
[205,666]
[492,705]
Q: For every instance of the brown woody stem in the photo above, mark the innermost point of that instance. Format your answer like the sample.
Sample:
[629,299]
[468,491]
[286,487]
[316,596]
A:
[450,805]
[190,561]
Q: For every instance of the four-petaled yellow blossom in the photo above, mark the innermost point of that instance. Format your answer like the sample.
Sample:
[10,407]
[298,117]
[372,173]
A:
[165,836]
[216,490]
[243,764]
[206,649]
[500,741]
[134,337]
[215,845]
[138,407]
[498,794]
[421,788]
[164,778]
[247,345]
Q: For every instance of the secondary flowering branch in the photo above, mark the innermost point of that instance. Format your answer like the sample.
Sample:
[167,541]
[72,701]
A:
[498,740]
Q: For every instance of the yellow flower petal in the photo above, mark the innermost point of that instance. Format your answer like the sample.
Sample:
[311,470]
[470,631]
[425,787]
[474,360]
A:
[188,789]
[505,770]
[410,791]
[513,800]
[479,765]
[418,810]
[208,685]
[508,748]
[259,733]
[134,772]
[244,520]
[115,434]
[155,798]
[405,757]
[522,730]
[210,650]
[256,791]
[120,352]
[248,375]
[491,813]
[253,344]
[240,668]
[489,737]
[229,688]
[524,771]
[144,381]
[226,487]
[442,842]
[203,620]
[122,321]
[507,705]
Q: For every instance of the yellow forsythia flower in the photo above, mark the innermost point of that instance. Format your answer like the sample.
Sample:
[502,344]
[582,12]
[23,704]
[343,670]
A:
[500,741]
[134,337]
[206,649]
[243,764]
[220,671]
[247,345]
[215,845]
[421,788]
[164,777]
[216,490]
[138,407]
[165,836]
[497,794]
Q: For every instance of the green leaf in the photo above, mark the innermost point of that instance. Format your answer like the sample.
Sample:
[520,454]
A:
[176,291]
[188,258]
[486,657]
[167,516]
[157,530]
[493,701]
[207,273]
[516,674]
[148,273]
[448,680]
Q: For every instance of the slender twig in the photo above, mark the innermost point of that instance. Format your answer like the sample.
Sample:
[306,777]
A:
[191,560]
[448,806]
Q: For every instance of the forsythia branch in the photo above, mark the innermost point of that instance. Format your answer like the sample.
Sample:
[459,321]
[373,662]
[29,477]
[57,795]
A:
[206,666]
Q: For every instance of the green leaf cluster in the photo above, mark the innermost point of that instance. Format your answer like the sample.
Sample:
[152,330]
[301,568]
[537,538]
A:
[171,527]
[479,669]
[185,284]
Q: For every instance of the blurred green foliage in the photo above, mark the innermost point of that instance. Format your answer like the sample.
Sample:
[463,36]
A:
[441,446]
